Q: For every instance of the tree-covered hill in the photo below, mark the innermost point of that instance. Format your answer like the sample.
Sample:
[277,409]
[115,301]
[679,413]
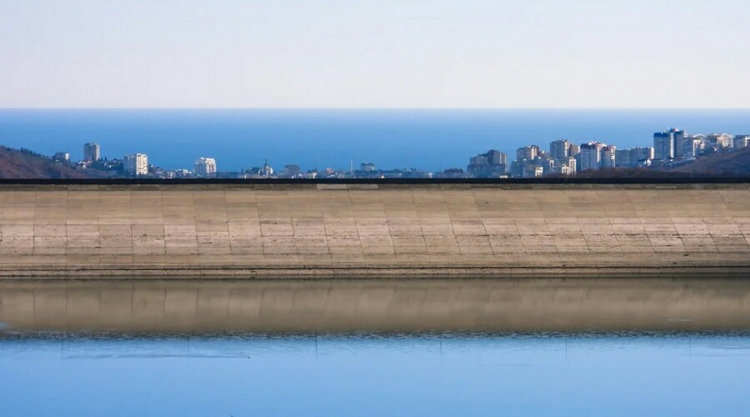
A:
[15,163]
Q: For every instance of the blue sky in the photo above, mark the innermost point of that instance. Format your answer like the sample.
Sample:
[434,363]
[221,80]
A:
[385,53]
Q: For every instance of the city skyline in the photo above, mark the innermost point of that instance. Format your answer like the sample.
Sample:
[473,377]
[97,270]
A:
[563,157]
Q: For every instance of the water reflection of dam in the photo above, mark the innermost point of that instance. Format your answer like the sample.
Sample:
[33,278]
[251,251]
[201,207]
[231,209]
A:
[385,305]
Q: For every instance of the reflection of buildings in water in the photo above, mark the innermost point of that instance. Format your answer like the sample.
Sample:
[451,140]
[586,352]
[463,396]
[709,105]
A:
[386,305]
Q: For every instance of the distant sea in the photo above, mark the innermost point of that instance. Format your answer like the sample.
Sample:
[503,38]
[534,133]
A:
[422,139]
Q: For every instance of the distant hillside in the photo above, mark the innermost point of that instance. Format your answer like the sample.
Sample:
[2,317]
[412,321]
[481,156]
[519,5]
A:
[643,173]
[23,163]
[720,164]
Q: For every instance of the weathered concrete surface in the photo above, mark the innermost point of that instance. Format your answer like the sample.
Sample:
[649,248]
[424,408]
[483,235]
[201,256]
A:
[310,230]
[376,305]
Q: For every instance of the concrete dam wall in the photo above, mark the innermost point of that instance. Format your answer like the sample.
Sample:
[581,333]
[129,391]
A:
[373,230]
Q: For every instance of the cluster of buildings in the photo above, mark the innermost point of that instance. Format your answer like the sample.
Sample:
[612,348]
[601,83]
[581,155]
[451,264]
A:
[670,148]
[675,145]
[136,164]
[366,170]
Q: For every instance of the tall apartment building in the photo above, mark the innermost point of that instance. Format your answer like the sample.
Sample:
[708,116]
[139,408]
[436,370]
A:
[741,141]
[663,146]
[527,152]
[136,164]
[491,164]
[569,167]
[91,152]
[496,157]
[668,144]
[205,167]
[559,150]
[607,159]
[679,140]
[590,156]
[692,146]
[720,140]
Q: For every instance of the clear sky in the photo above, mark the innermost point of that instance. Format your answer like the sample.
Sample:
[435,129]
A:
[375,53]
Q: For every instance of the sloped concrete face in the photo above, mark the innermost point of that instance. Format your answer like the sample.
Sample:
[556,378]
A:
[310,230]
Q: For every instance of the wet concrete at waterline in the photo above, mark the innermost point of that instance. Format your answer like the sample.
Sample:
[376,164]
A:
[376,305]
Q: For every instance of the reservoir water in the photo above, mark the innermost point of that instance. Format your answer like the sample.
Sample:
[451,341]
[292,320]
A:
[422,139]
[566,347]
[612,374]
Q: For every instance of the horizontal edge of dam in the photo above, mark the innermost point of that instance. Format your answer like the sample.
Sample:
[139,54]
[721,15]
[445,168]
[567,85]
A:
[373,230]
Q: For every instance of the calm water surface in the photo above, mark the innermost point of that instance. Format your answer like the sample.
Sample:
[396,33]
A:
[52,374]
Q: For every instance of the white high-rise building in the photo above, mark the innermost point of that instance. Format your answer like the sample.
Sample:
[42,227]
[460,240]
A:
[91,152]
[668,145]
[720,140]
[663,147]
[693,146]
[571,166]
[678,136]
[528,153]
[741,141]
[590,156]
[205,167]
[559,150]
[136,164]
[566,167]
[608,156]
